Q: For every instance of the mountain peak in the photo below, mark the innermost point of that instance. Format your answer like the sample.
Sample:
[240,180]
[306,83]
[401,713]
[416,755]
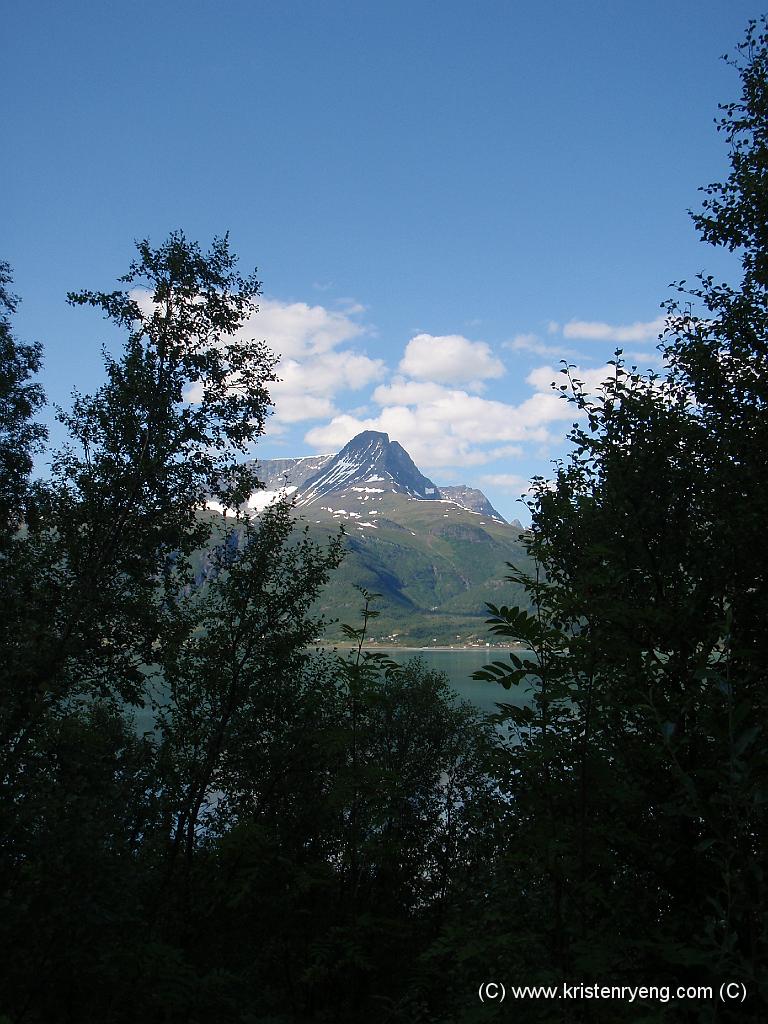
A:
[368,436]
[370,457]
[368,467]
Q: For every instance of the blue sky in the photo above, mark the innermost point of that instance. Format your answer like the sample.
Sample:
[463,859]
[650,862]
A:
[442,199]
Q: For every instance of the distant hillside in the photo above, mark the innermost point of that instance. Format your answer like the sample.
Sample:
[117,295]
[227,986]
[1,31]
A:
[435,554]
[435,565]
[471,498]
[278,474]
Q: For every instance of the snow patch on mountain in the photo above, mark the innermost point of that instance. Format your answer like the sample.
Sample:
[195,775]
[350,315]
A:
[261,499]
[368,459]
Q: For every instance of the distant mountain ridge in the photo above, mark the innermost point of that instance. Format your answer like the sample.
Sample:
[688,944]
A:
[470,498]
[433,554]
[369,458]
[278,474]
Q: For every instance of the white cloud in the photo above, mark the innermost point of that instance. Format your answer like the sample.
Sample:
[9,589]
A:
[307,388]
[350,306]
[449,427]
[433,406]
[316,362]
[506,481]
[297,407]
[449,359]
[597,330]
[295,329]
[408,392]
[543,377]
[502,451]
[441,426]
[327,373]
[522,341]
[532,343]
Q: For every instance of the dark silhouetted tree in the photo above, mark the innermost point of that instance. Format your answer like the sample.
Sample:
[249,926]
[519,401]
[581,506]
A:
[20,398]
[637,830]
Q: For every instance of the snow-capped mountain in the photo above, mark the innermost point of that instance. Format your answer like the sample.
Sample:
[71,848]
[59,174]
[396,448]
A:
[280,474]
[369,458]
[367,468]
[470,498]
[433,554]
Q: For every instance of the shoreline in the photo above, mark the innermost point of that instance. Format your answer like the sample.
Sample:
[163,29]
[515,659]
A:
[346,645]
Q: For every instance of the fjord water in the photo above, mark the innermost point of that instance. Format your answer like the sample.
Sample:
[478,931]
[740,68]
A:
[459,664]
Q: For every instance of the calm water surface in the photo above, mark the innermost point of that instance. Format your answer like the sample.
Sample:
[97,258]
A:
[458,665]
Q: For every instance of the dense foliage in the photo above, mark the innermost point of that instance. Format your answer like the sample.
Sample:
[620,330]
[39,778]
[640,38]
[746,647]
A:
[20,397]
[203,819]
[639,783]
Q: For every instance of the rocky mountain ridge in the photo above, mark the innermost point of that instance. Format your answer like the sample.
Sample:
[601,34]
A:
[366,469]
[434,555]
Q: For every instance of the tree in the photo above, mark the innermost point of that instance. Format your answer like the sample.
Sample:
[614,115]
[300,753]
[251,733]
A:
[91,589]
[20,438]
[638,781]
[98,595]
[348,822]
[286,837]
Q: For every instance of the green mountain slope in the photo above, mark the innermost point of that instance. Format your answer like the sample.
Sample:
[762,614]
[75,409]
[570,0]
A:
[435,565]
[436,555]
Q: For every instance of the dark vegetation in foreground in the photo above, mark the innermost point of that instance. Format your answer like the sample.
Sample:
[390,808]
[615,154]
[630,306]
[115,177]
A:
[314,838]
